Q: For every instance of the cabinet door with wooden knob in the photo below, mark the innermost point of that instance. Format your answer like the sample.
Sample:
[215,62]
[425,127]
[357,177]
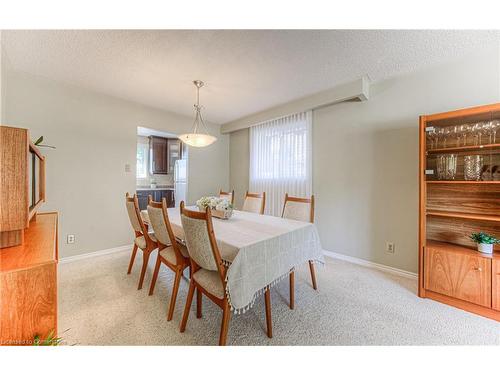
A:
[460,275]
[495,303]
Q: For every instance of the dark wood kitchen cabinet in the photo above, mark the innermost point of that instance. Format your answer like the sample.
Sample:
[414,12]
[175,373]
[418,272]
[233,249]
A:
[158,152]
[164,152]
[142,198]
[157,195]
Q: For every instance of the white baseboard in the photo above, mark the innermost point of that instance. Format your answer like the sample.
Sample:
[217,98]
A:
[330,254]
[95,254]
[367,263]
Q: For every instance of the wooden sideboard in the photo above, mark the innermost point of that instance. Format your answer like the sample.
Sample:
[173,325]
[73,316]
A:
[28,283]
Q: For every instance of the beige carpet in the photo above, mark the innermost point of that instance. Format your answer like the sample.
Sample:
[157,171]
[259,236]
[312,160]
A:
[100,305]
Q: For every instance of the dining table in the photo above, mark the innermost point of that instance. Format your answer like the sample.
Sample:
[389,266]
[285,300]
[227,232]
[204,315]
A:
[259,250]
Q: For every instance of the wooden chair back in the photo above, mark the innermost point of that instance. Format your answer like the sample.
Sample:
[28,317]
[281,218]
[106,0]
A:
[254,202]
[227,195]
[301,209]
[158,218]
[200,240]
[134,215]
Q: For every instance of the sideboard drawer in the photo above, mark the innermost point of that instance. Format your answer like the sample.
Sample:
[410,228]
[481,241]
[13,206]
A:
[459,275]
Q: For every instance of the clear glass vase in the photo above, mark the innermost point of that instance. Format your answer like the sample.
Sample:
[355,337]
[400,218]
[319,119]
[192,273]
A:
[473,166]
[446,166]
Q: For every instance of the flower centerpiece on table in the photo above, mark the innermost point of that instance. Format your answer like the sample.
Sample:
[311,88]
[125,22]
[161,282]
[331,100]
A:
[220,207]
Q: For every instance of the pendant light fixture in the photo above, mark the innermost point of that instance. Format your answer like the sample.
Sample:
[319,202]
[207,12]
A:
[199,136]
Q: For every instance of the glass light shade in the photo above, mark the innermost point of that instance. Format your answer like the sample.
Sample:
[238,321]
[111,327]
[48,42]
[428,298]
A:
[197,139]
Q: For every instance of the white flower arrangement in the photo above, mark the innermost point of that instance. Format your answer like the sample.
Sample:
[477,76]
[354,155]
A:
[221,207]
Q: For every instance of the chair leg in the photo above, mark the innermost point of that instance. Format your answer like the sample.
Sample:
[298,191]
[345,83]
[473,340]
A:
[292,290]
[198,303]
[268,313]
[226,317]
[175,289]
[155,275]
[132,258]
[145,260]
[189,300]
[313,274]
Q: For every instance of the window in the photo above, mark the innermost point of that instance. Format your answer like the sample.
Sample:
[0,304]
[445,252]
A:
[142,159]
[280,159]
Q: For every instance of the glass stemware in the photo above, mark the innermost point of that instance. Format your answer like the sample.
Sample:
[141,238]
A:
[483,130]
[469,132]
[462,134]
[494,127]
[440,141]
[476,133]
[488,130]
[447,134]
[454,136]
[432,136]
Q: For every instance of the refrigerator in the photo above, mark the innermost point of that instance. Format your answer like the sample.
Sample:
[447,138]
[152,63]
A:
[180,181]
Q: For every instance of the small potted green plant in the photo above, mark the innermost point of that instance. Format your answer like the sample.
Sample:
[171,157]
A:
[484,242]
[50,340]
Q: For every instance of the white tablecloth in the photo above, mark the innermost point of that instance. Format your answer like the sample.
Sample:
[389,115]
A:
[260,249]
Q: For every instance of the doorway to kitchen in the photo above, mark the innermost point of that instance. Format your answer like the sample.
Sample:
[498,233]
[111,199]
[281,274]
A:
[161,169]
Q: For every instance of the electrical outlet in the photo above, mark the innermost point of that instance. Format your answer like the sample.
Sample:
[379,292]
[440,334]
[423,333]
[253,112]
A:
[70,238]
[389,247]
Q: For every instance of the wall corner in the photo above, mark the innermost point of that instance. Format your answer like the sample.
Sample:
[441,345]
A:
[365,88]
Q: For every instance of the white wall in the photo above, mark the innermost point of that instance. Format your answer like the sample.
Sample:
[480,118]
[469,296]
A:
[365,157]
[96,136]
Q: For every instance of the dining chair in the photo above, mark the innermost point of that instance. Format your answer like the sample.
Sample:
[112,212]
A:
[227,195]
[170,252]
[208,273]
[254,202]
[143,240]
[301,209]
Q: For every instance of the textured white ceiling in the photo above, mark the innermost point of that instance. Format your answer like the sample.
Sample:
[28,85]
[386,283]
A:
[244,71]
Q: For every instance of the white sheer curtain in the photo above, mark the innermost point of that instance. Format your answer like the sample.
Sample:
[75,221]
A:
[281,159]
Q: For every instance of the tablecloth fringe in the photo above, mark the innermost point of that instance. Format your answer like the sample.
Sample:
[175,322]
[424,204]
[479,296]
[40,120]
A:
[260,292]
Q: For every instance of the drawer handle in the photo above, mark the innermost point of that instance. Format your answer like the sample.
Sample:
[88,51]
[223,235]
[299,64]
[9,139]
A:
[477,269]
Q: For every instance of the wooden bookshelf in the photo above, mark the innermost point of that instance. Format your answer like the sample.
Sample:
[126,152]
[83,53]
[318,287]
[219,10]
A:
[451,270]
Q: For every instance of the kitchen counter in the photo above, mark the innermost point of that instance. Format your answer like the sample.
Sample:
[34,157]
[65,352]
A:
[156,188]
[157,194]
